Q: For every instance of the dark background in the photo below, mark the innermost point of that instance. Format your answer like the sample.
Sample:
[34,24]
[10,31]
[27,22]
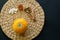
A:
[51,30]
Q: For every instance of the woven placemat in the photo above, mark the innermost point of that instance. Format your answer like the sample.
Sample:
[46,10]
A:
[7,19]
[0,19]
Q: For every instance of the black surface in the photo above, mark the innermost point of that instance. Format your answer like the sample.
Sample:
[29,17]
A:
[51,30]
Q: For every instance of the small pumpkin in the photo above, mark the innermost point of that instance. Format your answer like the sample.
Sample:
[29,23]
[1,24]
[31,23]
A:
[20,25]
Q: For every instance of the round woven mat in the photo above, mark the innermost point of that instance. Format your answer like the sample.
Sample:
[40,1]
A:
[7,19]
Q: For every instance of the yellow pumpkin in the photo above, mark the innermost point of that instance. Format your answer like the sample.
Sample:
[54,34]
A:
[20,25]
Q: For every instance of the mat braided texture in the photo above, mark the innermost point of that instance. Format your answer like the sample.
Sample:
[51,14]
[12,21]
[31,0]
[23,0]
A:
[7,19]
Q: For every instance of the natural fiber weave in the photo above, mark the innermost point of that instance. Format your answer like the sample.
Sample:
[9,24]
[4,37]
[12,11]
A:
[0,19]
[34,28]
